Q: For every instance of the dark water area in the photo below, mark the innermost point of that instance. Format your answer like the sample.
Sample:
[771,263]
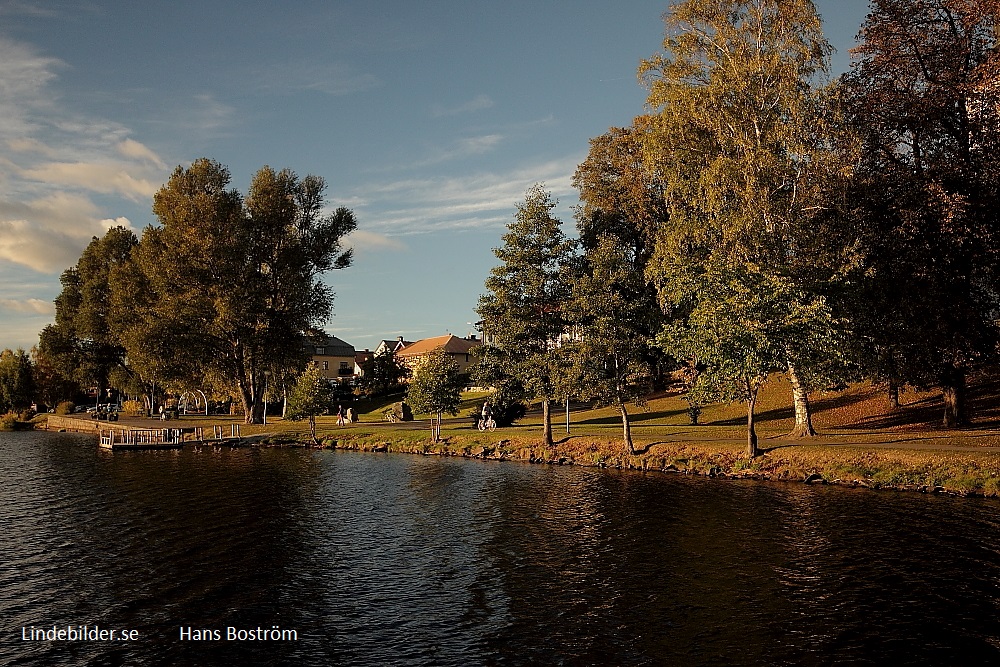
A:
[378,559]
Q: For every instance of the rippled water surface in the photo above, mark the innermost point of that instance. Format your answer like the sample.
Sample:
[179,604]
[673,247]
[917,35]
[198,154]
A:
[380,559]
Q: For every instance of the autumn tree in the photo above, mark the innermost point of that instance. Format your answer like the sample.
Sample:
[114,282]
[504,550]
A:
[225,287]
[740,141]
[923,96]
[523,312]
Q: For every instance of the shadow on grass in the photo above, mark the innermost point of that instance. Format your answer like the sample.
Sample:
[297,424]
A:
[636,418]
[779,414]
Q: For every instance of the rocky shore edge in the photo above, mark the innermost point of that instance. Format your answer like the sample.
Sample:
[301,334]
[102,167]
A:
[965,474]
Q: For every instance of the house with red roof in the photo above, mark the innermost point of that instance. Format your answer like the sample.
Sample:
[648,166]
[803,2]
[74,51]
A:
[459,349]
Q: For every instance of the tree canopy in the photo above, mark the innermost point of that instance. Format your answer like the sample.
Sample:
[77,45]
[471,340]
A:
[311,396]
[225,287]
[923,100]
[524,310]
[738,136]
[436,385]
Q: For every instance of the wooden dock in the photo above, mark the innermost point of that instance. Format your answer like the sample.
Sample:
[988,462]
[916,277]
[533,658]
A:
[117,439]
[142,438]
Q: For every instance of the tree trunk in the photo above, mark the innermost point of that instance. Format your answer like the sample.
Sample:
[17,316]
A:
[626,428]
[547,422]
[800,399]
[752,450]
[953,392]
[253,409]
[893,395]
[312,428]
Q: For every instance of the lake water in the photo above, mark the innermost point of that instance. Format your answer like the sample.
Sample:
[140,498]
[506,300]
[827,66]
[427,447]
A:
[375,559]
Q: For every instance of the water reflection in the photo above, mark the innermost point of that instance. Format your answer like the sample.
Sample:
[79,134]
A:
[379,559]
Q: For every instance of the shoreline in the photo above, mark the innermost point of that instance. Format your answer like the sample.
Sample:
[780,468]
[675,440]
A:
[957,473]
[965,472]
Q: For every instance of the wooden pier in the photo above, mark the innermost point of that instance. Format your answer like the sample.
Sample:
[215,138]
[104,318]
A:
[167,438]
[142,438]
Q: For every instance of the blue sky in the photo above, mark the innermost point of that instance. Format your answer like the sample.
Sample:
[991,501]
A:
[428,119]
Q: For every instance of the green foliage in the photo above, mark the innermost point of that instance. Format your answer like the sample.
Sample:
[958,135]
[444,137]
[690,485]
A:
[225,288]
[436,386]
[65,408]
[508,398]
[381,374]
[523,312]
[17,382]
[81,345]
[310,397]
[739,330]
[9,421]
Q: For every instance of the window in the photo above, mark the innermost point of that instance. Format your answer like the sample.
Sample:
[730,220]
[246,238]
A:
[343,365]
[320,350]
[326,365]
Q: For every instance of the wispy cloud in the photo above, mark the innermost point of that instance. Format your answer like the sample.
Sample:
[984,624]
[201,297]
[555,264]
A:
[48,234]
[21,8]
[481,200]
[32,306]
[462,148]
[101,178]
[333,78]
[477,103]
[133,149]
[364,240]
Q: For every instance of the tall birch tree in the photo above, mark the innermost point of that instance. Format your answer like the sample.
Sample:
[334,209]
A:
[740,138]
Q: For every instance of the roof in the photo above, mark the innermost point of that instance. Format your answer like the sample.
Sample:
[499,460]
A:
[332,346]
[393,344]
[451,343]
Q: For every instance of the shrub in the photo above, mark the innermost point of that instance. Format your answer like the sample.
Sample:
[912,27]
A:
[9,421]
[133,408]
[65,408]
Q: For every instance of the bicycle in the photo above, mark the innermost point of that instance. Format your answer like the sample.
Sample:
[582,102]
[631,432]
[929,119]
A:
[487,424]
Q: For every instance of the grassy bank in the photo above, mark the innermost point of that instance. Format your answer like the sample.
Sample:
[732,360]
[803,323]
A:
[863,441]
[955,472]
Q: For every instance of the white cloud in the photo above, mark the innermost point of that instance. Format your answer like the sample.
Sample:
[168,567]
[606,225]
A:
[102,178]
[57,159]
[133,149]
[475,104]
[31,306]
[48,234]
[23,80]
[335,79]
